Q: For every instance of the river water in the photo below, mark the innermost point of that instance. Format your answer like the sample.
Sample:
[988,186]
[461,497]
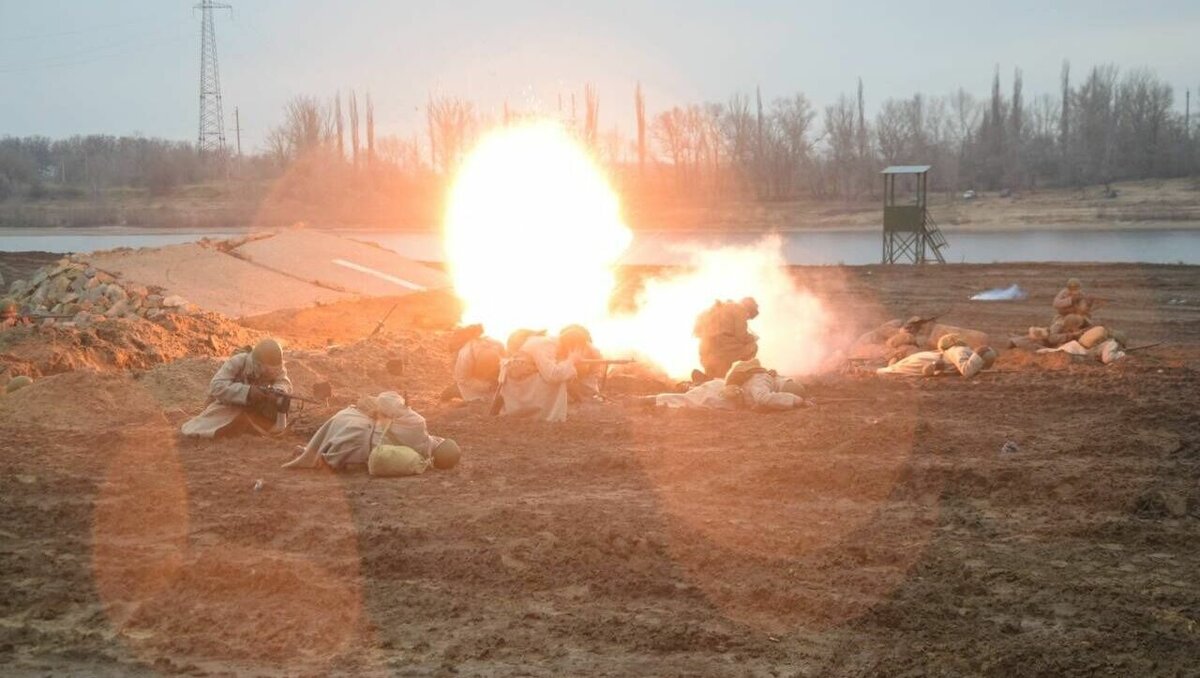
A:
[1167,246]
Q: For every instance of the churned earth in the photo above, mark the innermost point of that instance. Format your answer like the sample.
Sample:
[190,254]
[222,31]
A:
[882,531]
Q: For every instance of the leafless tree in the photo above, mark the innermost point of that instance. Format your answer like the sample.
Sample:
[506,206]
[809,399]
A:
[370,130]
[639,106]
[453,124]
[353,128]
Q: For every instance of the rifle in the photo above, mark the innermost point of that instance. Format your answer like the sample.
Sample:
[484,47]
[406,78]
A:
[1144,346]
[606,363]
[283,399]
[47,316]
[381,322]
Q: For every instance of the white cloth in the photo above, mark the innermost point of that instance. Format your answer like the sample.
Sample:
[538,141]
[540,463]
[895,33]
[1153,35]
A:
[349,436]
[228,394]
[1107,352]
[764,391]
[471,388]
[537,387]
[705,396]
[966,362]
[912,366]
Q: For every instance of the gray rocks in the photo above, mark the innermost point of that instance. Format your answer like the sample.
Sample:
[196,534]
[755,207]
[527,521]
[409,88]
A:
[75,288]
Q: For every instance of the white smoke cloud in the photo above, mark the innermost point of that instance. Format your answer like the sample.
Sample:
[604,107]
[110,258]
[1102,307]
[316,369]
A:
[793,325]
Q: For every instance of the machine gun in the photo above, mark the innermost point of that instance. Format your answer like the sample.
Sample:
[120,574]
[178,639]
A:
[587,362]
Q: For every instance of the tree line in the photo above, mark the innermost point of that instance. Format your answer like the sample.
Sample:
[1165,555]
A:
[1101,126]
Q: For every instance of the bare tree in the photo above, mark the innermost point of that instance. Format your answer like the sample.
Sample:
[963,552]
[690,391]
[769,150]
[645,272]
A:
[353,128]
[1016,132]
[738,131]
[591,103]
[339,122]
[1064,127]
[452,126]
[307,126]
[370,130]
[639,106]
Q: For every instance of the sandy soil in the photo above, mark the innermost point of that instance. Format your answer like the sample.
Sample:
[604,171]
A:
[881,532]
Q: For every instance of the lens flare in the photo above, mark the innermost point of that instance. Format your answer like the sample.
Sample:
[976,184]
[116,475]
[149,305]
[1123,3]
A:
[532,232]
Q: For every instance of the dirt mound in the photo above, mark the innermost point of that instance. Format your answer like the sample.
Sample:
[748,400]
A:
[120,343]
[181,385]
[81,402]
[349,321]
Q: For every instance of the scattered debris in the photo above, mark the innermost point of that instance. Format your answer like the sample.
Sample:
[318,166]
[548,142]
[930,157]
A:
[1009,447]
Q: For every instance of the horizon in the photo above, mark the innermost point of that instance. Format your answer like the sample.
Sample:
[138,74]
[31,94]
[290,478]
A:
[528,55]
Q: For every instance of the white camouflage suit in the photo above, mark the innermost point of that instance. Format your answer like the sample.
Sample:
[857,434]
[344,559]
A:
[966,362]
[470,386]
[349,436]
[533,382]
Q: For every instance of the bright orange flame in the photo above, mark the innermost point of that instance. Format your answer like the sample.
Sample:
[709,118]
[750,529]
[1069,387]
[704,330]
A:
[532,232]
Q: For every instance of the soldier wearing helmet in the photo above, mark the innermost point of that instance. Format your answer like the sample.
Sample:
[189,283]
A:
[476,365]
[535,378]
[952,356]
[725,337]
[1071,300]
[10,313]
[238,397]
[352,436]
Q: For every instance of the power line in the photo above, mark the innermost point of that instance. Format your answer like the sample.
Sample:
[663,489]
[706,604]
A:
[212,123]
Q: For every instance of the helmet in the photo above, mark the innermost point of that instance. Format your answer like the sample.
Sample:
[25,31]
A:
[950,340]
[518,338]
[741,370]
[446,455]
[750,305]
[463,335]
[576,329]
[1074,284]
[268,353]
[573,337]
[989,356]
[18,383]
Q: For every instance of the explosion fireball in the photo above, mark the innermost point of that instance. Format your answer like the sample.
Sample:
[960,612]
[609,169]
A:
[533,234]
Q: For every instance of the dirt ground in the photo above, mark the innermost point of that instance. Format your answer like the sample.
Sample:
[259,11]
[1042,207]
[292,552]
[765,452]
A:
[880,532]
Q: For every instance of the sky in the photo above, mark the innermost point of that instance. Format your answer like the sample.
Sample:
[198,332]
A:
[132,66]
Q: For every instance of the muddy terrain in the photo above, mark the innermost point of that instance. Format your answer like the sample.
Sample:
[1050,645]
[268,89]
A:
[887,530]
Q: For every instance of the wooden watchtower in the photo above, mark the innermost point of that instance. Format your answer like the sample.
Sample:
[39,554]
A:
[909,233]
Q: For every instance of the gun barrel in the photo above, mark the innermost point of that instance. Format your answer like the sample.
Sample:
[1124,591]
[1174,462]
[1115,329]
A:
[598,361]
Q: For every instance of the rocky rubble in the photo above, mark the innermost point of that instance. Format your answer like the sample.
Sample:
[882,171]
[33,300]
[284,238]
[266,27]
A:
[85,295]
